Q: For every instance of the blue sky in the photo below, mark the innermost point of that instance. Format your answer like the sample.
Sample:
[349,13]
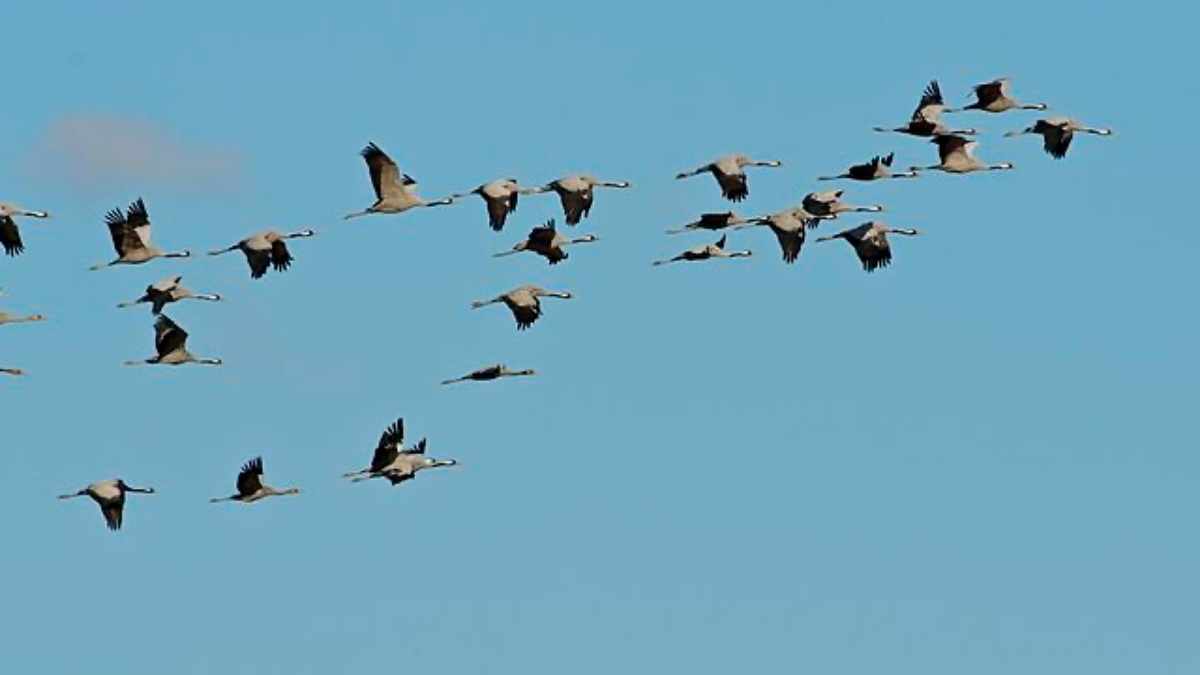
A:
[980,459]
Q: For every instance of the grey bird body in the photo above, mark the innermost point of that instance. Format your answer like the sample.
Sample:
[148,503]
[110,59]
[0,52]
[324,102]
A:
[926,120]
[524,302]
[789,227]
[170,345]
[10,233]
[576,192]
[957,155]
[829,203]
[395,191]
[489,373]
[6,318]
[130,232]
[706,252]
[996,97]
[711,222]
[1057,132]
[548,242]
[394,462]
[879,168]
[500,196]
[730,173]
[266,249]
[250,487]
[109,495]
[870,243]
[166,291]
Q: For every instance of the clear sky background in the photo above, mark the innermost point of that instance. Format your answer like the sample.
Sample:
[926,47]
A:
[981,459]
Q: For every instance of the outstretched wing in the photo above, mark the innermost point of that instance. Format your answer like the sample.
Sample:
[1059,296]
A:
[281,258]
[576,205]
[949,144]
[123,238]
[418,449]
[113,509]
[385,175]
[721,242]
[790,243]
[249,479]
[10,236]
[168,336]
[138,221]
[389,445]
[498,209]
[544,234]
[989,91]
[733,186]
[930,106]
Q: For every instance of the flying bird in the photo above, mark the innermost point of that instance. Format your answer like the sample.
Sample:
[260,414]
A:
[500,196]
[5,318]
[170,343]
[829,203]
[131,237]
[489,373]
[996,97]
[876,169]
[524,303]
[250,487]
[547,242]
[12,371]
[165,291]
[697,253]
[266,249]
[109,495]
[1057,133]
[729,170]
[395,462]
[576,193]
[395,192]
[10,234]
[926,120]
[789,227]
[957,155]
[711,221]
[870,243]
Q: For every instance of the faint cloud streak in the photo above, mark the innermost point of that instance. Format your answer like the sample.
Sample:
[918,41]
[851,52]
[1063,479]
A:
[100,151]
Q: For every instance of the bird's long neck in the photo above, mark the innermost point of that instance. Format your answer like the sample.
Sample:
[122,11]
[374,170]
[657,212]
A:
[442,462]
[207,361]
[439,202]
[216,500]
[484,303]
[211,297]
[73,495]
[227,249]
[1034,106]
[178,254]
[738,254]
[911,173]
[1094,130]
[902,230]
[582,240]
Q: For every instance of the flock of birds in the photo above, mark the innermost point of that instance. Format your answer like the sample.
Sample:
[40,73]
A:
[395,193]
